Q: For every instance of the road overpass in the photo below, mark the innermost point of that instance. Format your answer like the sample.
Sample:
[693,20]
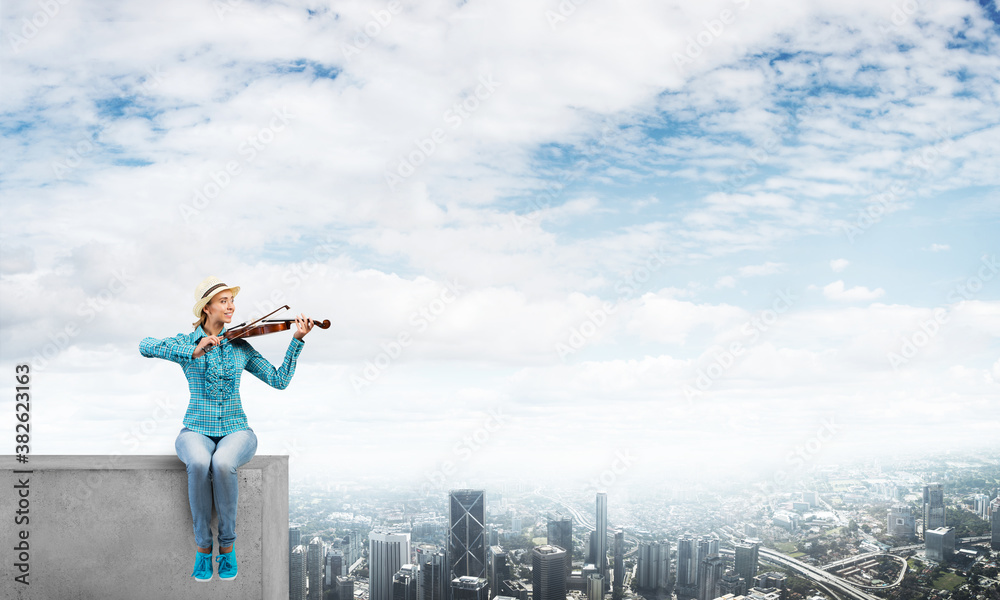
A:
[834,584]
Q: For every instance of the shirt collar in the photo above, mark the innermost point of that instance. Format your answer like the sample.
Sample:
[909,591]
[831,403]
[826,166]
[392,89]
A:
[200,333]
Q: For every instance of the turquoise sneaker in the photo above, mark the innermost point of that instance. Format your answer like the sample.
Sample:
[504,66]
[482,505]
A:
[202,566]
[227,565]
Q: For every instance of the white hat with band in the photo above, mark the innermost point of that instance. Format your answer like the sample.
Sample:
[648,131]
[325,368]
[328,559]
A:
[207,289]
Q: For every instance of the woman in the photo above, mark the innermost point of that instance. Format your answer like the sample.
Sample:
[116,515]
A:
[216,439]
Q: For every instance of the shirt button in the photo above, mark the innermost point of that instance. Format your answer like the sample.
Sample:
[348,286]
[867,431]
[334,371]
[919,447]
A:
[220,418]
[220,404]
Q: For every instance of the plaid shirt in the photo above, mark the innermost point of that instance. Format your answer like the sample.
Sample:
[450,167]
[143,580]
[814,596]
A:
[214,378]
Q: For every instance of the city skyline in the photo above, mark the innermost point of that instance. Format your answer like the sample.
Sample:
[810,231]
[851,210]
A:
[651,227]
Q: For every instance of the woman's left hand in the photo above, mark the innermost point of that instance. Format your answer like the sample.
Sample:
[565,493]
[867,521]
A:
[303,326]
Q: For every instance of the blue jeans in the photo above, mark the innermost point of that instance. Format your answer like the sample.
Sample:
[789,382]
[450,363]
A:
[211,470]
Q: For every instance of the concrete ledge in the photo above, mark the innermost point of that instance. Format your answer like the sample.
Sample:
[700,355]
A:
[113,527]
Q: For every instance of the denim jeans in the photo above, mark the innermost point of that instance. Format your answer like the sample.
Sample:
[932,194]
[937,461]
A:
[211,470]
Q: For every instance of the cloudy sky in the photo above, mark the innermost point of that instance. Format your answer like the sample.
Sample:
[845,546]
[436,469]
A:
[564,239]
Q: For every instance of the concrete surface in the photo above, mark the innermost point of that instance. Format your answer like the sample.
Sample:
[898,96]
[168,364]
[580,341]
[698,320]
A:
[110,527]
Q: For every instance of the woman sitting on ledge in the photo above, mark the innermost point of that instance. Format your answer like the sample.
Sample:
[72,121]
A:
[216,438]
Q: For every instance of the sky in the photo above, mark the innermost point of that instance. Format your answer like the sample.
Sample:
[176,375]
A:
[589,242]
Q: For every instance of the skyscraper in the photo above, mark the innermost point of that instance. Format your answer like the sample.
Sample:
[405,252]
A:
[561,534]
[345,588]
[499,569]
[294,539]
[470,588]
[433,574]
[900,522]
[316,568]
[654,565]
[386,554]
[939,544]
[934,512]
[709,576]
[334,568]
[467,543]
[595,587]
[618,581]
[297,573]
[708,546]
[732,583]
[548,575]
[687,551]
[995,524]
[404,583]
[601,560]
[746,559]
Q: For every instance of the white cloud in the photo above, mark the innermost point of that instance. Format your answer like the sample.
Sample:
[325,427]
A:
[768,268]
[726,281]
[939,247]
[839,264]
[836,291]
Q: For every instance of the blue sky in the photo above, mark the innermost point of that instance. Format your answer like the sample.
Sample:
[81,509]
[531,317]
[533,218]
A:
[571,212]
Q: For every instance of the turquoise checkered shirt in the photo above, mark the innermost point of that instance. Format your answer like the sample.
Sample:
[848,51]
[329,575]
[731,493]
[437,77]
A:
[214,378]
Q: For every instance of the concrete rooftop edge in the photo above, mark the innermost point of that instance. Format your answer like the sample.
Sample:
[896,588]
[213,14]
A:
[124,462]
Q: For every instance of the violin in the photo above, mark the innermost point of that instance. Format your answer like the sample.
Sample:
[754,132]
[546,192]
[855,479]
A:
[267,326]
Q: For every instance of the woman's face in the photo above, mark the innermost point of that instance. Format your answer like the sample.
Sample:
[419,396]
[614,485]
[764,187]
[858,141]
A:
[221,307]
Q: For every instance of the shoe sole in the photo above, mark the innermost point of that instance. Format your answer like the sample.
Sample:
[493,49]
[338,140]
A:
[227,578]
[209,579]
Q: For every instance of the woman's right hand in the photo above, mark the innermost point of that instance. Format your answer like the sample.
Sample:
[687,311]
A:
[205,344]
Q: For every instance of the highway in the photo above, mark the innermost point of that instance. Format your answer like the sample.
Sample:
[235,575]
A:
[835,584]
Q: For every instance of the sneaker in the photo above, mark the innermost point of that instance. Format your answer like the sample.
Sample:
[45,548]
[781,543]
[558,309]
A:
[202,566]
[227,565]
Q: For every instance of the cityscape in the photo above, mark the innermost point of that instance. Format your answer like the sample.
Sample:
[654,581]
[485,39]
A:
[919,529]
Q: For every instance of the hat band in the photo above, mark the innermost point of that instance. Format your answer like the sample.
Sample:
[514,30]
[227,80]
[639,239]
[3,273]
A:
[214,287]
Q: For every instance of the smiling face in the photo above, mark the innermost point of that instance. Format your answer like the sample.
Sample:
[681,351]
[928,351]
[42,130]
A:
[219,310]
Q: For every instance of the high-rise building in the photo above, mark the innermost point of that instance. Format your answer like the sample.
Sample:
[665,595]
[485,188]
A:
[709,576]
[732,583]
[934,511]
[404,583]
[548,575]
[601,560]
[316,568]
[687,551]
[981,505]
[708,546]
[618,580]
[592,549]
[561,534]
[513,588]
[812,498]
[900,522]
[939,544]
[467,542]
[334,568]
[386,554]
[995,524]
[499,569]
[345,588]
[470,588]
[595,587]
[433,573]
[294,538]
[747,554]
[297,573]
[654,565]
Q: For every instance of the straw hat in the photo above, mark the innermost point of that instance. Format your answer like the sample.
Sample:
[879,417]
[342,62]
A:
[207,289]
